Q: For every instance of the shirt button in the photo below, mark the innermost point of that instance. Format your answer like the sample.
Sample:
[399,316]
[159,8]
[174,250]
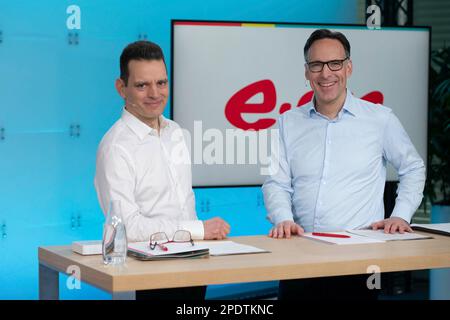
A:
[324,182]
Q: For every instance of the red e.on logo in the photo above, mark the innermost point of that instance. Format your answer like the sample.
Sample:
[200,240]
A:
[237,104]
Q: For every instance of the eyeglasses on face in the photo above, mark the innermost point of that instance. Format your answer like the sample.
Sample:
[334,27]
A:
[160,239]
[333,65]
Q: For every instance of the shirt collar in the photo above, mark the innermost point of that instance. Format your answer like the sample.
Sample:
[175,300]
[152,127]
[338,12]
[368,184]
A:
[349,106]
[140,128]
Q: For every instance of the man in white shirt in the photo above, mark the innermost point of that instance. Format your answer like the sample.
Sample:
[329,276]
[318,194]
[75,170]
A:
[143,159]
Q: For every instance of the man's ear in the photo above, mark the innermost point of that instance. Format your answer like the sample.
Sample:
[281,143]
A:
[306,73]
[120,87]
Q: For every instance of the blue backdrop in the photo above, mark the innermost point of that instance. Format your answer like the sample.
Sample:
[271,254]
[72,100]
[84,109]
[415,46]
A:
[57,99]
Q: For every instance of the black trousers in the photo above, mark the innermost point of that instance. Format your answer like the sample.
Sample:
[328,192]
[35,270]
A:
[329,288]
[188,293]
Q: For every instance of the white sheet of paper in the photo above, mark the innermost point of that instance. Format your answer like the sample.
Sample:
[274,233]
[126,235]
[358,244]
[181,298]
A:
[445,227]
[354,239]
[380,235]
[220,248]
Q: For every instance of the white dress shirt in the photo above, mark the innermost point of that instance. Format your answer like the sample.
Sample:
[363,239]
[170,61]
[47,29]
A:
[151,176]
[332,173]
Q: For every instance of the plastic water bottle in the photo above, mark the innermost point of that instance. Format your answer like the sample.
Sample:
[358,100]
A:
[115,244]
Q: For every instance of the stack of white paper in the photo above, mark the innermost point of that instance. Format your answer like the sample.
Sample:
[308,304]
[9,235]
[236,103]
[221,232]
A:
[186,249]
[352,238]
[380,235]
[438,228]
[364,237]
[220,248]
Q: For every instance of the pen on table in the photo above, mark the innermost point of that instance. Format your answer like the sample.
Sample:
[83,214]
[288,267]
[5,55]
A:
[332,235]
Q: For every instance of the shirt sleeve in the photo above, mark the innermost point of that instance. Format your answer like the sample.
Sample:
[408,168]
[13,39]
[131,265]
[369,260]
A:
[400,152]
[195,227]
[192,224]
[277,188]
[115,179]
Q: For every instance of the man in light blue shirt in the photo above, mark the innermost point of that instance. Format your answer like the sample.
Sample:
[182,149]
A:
[333,153]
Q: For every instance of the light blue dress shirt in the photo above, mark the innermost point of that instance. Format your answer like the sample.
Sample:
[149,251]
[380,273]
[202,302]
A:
[331,173]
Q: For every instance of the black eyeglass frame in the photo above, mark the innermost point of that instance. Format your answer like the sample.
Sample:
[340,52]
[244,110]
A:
[323,63]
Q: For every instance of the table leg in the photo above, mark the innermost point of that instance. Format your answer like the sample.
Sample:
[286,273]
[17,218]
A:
[48,283]
[124,295]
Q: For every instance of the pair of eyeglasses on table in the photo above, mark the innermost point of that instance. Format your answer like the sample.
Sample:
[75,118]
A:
[160,239]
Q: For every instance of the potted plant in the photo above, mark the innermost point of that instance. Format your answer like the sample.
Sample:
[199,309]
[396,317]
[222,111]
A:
[438,184]
[438,177]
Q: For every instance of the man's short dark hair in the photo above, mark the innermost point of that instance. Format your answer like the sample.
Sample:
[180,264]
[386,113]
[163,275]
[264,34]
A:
[139,50]
[326,34]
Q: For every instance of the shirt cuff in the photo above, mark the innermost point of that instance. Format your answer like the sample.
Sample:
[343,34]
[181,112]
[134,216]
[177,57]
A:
[195,227]
[402,211]
[277,218]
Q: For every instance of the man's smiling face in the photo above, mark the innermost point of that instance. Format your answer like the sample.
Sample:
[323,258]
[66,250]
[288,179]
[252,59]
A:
[147,90]
[329,86]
